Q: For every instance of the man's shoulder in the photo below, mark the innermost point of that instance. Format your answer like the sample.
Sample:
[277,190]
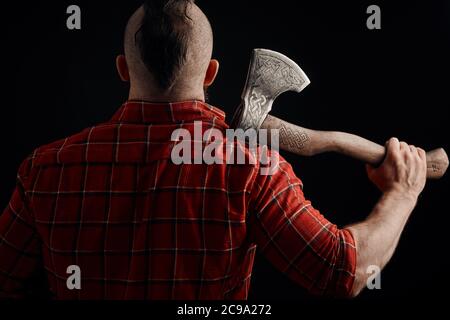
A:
[51,152]
[47,154]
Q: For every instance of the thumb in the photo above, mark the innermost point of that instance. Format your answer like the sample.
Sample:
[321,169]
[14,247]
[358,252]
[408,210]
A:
[392,146]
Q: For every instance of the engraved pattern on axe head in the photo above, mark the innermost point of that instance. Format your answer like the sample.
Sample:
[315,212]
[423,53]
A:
[276,75]
[270,75]
[273,76]
[257,104]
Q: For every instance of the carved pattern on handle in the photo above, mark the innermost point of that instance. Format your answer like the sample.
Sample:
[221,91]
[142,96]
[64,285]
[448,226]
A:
[293,139]
[434,167]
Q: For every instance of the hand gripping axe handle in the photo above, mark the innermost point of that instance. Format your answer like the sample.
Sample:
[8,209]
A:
[270,74]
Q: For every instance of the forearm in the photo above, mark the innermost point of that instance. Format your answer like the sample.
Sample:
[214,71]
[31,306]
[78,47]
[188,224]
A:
[377,237]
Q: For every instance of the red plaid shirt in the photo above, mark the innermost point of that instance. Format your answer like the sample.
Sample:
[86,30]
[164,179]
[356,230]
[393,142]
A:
[111,201]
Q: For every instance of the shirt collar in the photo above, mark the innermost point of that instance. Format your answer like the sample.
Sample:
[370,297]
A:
[142,112]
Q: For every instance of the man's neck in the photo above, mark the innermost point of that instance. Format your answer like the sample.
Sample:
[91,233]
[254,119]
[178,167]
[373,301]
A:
[172,96]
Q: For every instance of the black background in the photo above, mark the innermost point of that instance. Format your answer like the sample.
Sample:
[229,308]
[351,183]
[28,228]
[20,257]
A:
[375,83]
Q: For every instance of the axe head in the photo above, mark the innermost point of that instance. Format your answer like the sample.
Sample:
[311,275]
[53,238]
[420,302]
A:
[269,75]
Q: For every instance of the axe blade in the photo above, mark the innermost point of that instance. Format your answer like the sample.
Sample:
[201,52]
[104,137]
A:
[269,75]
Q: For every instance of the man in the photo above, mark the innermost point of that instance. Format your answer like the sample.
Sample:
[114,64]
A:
[111,202]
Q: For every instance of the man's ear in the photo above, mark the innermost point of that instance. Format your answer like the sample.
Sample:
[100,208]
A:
[122,68]
[211,73]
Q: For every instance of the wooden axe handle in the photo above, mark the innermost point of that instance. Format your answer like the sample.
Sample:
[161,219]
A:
[308,142]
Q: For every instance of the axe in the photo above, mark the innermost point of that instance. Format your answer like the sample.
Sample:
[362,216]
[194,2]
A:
[270,74]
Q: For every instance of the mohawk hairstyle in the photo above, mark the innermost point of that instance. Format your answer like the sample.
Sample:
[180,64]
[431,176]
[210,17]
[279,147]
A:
[163,39]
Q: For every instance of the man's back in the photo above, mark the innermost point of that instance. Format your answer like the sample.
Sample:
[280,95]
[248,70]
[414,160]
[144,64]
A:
[111,201]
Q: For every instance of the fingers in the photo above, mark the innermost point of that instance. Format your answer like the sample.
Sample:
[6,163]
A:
[404,147]
[413,151]
[418,153]
[403,169]
[393,148]
[405,151]
[400,150]
[396,147]
[413,156]
[393,144]
[422,154]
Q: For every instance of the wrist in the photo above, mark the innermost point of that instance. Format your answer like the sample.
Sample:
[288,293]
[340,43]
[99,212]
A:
[401,195]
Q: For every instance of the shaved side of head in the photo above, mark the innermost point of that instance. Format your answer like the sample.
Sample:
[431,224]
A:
[168,46]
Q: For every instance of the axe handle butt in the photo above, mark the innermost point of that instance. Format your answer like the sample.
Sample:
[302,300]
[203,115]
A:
[308,142]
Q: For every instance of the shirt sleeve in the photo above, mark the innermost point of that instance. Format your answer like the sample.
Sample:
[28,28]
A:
[19,243]
[296,238]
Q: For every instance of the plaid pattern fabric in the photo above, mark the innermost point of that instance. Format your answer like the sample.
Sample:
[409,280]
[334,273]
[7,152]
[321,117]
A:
[111,201]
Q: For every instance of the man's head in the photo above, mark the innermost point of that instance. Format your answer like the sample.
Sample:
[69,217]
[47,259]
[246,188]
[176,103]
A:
[168,47]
